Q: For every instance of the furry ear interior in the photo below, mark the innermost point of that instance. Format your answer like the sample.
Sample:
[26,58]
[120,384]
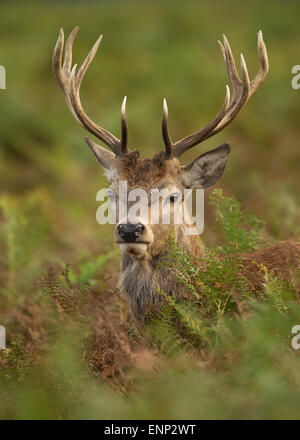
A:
[206,169]
[105,157]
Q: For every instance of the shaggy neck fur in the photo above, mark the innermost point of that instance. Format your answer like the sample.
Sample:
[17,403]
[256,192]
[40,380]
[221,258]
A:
[142,279]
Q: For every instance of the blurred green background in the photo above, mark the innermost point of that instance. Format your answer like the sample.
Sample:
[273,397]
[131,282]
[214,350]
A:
[151,49]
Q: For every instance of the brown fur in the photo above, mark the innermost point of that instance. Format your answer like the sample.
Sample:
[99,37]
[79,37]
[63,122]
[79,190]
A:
[135,170]
[279,259]
[141,280]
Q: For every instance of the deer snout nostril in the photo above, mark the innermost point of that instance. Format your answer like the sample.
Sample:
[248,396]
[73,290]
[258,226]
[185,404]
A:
[122,228]
[129,233]
[140,229]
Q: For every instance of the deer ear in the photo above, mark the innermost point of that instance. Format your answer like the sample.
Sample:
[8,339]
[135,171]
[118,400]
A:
[105,157]
[207,169]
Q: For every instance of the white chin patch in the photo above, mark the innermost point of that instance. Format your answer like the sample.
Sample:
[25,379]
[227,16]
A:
[137,250]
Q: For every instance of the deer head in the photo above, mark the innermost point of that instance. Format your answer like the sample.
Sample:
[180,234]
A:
[140,239]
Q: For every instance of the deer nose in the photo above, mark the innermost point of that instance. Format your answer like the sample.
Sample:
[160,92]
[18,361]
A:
[130,233]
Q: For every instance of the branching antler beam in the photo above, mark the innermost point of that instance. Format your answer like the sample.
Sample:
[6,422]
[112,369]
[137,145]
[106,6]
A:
[70,80]
[242,90]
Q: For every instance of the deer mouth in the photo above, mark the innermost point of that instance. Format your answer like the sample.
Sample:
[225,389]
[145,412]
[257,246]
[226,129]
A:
[137,249]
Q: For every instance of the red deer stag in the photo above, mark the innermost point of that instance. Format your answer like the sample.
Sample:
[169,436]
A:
[141,243]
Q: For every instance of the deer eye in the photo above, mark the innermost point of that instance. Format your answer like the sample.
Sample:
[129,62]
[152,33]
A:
[173,197]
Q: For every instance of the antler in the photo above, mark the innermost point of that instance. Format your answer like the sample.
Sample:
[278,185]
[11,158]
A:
[70,81]
[242,90]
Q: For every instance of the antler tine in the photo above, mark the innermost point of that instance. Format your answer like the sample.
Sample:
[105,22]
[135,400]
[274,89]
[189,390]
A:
[167,140]
[67,65]
[57,57]
[62,72]
[242,90]
[264,64]
[240,96]
[70,82]
[124,127]
[86,63]
[233,75]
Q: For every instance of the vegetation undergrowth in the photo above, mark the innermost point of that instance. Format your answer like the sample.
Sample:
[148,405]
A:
[76,352]
[73,350]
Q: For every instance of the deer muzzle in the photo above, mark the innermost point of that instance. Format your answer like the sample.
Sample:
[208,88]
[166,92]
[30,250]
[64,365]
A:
[130,233]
